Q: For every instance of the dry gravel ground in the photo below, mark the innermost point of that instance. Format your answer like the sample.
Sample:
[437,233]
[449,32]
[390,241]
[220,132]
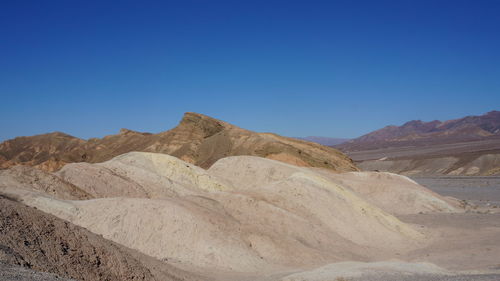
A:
[18,273]
[467,158]
[399,277]
[481,191]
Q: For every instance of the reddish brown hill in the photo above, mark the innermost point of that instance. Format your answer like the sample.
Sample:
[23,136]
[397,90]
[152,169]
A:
[418,133]
[198,139]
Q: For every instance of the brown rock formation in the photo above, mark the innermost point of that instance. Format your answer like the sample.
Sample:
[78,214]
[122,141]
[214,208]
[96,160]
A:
[197,139]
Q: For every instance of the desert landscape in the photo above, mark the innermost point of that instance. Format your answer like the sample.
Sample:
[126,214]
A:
[467,146]
[250,140]
[210,201]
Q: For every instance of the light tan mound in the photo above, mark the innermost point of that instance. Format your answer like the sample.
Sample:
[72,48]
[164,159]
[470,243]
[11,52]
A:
[488,164]
[268,215]
[42,242]
[393,193]
[241,233]
[30,178]
[307,194]
[140,175]
[197,139]
[285,238]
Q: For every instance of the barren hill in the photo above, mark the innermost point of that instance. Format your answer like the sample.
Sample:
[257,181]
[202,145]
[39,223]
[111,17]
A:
[324,140]
[465,146]
[197,139]
[418,133]
[244,218]
[244,214]
[42,242]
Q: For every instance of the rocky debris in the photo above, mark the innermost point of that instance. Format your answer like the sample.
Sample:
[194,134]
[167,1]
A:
[17,273]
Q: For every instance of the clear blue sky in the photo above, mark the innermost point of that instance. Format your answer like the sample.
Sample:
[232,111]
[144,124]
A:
[297,68]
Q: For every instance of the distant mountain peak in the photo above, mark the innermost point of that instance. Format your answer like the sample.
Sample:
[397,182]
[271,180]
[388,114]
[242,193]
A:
[417,132]
[124,131]
[207,126]
[198,139]
[324,140]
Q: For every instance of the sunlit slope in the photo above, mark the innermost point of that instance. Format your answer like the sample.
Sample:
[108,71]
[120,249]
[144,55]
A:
[244,214]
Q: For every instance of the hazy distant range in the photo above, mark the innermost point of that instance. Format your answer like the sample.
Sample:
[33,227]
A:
[324,140]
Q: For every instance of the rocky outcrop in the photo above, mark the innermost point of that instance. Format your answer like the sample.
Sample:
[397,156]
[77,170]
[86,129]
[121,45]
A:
[197,139]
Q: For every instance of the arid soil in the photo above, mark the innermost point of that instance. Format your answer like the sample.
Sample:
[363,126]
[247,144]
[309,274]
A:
[17,273]
[198,139]
[152,216]
[468,241]
[471,158]
[26,177]
[483,192]
[42,242]
[244,214]
[468,146]
[426,277]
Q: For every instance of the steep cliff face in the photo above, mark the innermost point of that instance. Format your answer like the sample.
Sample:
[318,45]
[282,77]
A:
[198,139]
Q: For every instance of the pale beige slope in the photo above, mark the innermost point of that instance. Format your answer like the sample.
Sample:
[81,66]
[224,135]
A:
[239,232]
[286,238]
[393,193]
[307,194]
[29,178]
[244,214]
[197,231]
[178,231]
[140,175]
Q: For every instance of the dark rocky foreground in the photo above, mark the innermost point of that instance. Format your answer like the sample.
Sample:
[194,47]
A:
[41,242]
[18,273]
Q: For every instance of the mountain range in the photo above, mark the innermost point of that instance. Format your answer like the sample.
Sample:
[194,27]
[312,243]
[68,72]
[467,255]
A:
[418,133]
[210,201]
[465,146]
[324,140]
